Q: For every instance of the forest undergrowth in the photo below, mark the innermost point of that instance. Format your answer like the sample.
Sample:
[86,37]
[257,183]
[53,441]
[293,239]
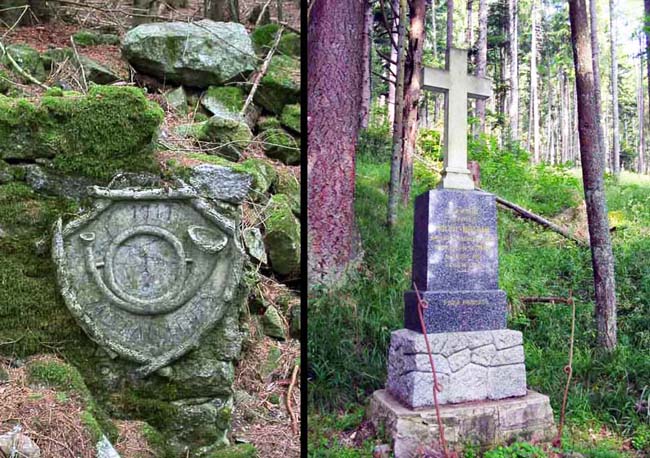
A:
[608,412]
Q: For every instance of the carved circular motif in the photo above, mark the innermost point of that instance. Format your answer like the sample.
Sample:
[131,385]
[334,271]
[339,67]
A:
[146,267]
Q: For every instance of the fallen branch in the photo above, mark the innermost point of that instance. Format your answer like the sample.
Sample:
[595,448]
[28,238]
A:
[262,72]
[81,65]
[259,18]
[526,214]
[292,414]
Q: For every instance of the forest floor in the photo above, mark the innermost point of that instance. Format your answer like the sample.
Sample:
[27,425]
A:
[263,418]
[607,412]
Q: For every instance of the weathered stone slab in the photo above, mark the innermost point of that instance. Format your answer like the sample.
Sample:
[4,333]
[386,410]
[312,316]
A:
[470,366]
[486,423]
[148,272]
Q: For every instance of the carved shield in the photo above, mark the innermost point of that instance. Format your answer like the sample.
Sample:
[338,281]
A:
[146,273]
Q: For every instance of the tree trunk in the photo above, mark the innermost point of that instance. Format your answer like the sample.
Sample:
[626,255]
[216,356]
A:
[334,96]
[221,10]
[481,57]
[413,84]
[366,58]
[143,11]
[646,8]
[593,168]
[641,108]
[396,160]
[534,97]
[616,143]
[393,67]
[513,96]
[595,49]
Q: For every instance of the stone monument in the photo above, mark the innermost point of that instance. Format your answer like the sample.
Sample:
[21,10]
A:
[153,276]
[479,363]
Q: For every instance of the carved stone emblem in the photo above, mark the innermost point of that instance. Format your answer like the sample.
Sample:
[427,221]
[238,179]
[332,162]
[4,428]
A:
[147,272]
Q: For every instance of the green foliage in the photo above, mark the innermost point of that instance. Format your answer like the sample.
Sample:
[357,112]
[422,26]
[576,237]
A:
[507,171]
[428,143]
[516,450]
[641,438]
[237,451]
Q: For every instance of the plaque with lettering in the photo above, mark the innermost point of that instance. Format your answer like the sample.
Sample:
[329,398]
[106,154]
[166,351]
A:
[455,262]
[147,272]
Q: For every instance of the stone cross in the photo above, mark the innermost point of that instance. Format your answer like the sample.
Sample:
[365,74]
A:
[457,85]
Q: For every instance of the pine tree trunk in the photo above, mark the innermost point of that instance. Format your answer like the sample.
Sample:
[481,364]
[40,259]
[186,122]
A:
[366,58]
[222,10]
[396,160]
[481,57]
[616,143]
[513,99]
[593,168]
[641,109]
[646,9]
[393,67]
[595,49]
[413,84]
[534,97]
[334,97]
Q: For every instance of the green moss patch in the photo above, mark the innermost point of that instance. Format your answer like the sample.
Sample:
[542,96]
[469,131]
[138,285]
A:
[89,38]
[279,144]
[282,237]
[28,59]
[263,37]
[281,84]
[236,451]
[291,117]
[110,130]
[228,98]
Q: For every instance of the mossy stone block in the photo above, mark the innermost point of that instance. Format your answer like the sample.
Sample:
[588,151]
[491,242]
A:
[236,451]
[90,38]
[281,145]
[224,101]
[282,238]
[28,59]
[230,133]
[267,123]
[290,117]
[290,44]
[280,85]
[263,37]
[273,324]
[288,185]
[177,100]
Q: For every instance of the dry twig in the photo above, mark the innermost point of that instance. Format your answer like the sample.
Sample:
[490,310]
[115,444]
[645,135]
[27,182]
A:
[292,414]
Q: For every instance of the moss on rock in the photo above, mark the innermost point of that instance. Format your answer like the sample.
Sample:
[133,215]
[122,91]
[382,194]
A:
[291,117]
[282,237]
[230,134]
[90,38]
[28,59]
[267,123]
[279,144]
[263,37]
[227,99]
[110,130]
[236,451]
[288,185]
[281,84]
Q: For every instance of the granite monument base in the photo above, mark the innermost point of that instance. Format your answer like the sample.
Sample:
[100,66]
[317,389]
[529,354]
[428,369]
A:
[456,311]
[482,423]
[470,366]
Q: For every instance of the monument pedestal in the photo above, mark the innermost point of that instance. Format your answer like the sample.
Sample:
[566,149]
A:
[484,423]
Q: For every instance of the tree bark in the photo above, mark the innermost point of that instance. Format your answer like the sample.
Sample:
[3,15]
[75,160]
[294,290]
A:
[413,84]
[334,96]
[396,160]
[221,10]
[595,49]
[593,168]
[616,142]
[481,57]
[393,67]
[646,9]
[641,109]
[366,57]
[534,97]
[513,95]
